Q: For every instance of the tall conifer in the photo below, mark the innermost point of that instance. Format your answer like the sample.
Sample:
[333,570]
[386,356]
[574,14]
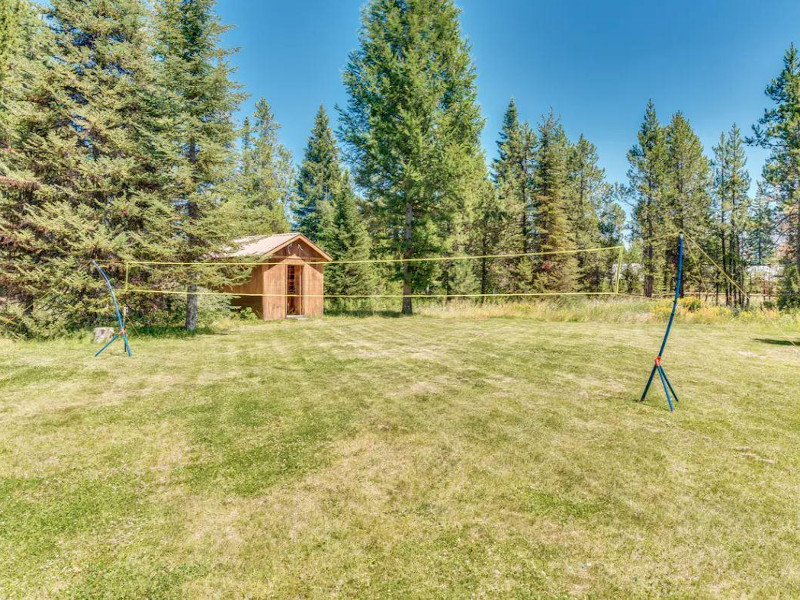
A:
[319,178]
[18,26]
[93,160]
[761,236]
[778,130]
[648,180]
[556,272]
[732,204]
[512,172]
[687,194]
[587,193]
[343,234]
[196,68]
[411,126]
[513,176]
[266,177]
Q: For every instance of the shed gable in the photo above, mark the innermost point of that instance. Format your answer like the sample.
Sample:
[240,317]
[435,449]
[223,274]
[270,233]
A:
[262,246]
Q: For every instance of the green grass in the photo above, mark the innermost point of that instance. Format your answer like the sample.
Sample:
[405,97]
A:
[427,457]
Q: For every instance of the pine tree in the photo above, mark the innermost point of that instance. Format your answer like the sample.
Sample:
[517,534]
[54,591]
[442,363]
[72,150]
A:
[319,178]
[457,277]
[490,228]
[94,162]
[18,45]
[648,179]
[512,173]
[587,193]
[761,238]
[611,217]
[343,234]
[266,178]
[555,272]
[18,26]
[778,130]
[412,126]
[9,33]
[789,290]
[687,196]
[731,186]
[197,69]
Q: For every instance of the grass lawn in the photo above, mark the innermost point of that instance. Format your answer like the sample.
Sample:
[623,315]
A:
[423,457]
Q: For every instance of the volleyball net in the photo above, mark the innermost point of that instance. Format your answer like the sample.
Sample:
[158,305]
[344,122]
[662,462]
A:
[155,291]
[580,272]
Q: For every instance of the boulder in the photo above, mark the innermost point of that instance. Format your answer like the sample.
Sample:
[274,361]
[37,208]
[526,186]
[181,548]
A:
[103,334]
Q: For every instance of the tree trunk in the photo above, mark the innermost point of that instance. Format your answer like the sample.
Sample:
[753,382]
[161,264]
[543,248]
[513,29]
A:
[725,268]
[484,278]
[26,300]
[649,254]
[407,288]
[191,213]
[648,270]
[407,308]
[797,237]
[523,225]
[191,307]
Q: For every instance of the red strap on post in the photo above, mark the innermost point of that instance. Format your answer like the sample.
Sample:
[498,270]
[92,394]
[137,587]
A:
[657,361]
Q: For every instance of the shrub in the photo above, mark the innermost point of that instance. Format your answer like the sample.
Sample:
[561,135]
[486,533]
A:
[247,314]
[691,304]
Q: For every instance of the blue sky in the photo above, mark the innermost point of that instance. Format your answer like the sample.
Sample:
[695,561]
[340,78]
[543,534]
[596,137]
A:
[595,63]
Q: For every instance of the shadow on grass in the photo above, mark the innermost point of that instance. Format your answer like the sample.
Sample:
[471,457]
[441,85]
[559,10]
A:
[172,331]
[781,342]
[361,314]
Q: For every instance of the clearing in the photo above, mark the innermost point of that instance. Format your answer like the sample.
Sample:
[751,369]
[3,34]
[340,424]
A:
[423,457]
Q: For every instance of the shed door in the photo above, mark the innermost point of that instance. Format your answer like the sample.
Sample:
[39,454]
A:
[294,290]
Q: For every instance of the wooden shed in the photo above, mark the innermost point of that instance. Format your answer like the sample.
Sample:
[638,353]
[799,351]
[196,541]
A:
[292,281]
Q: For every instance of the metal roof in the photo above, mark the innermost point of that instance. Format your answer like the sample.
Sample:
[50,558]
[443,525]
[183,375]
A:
[266,245]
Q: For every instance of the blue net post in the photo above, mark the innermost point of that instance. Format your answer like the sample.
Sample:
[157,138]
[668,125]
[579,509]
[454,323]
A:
[657,368]
[122,333]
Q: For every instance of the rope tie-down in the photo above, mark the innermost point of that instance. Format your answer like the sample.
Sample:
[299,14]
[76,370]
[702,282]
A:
[657,368]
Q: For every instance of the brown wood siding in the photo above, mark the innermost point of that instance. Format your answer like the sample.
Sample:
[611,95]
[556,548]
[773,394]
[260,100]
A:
[270,280]
[274,287]
[251,286]
[314,303]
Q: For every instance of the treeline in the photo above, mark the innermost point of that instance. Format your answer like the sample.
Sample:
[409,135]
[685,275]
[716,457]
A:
[118,143]
[674,186]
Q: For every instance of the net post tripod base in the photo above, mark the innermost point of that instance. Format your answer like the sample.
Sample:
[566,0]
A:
[122,334]
[664,381]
